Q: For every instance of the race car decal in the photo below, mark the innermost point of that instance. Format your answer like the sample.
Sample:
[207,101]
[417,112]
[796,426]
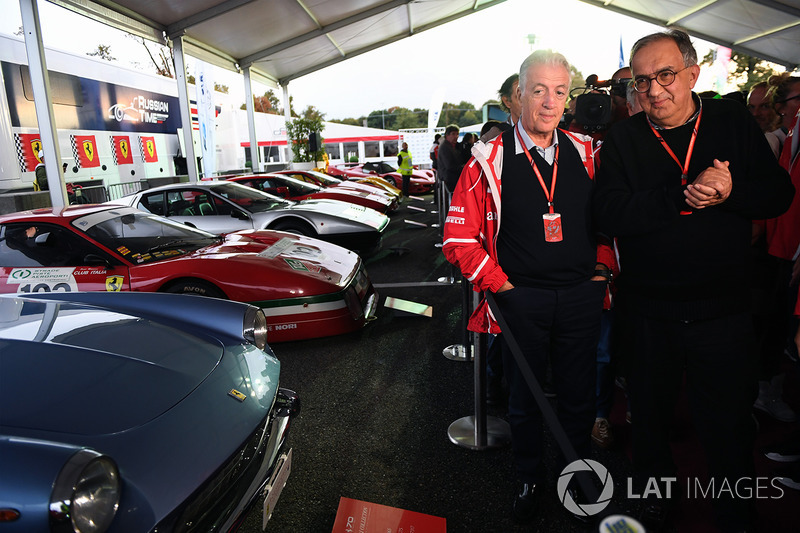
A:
[300,265]
[43,279]
[122,250]
[114,283]
[288,247]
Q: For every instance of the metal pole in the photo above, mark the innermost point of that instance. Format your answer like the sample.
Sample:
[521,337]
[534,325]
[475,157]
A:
[186,114]
[255,157]
[45,118]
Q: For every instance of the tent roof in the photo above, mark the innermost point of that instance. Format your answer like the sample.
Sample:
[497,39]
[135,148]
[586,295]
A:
[768,29]
[279,39]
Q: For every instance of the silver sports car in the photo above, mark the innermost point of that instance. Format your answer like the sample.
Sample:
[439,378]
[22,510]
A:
[223,207]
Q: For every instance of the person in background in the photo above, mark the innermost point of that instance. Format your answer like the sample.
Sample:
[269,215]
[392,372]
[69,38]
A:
[450,163]
[434,151]
[406,168]
[509,98]
[542,263]
[678,187]
[41,173]
[760,106]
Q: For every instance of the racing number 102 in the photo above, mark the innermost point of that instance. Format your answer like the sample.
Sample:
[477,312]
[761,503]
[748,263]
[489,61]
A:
[44,287]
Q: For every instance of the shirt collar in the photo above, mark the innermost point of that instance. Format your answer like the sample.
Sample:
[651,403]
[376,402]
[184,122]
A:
[698,106]
[529,144]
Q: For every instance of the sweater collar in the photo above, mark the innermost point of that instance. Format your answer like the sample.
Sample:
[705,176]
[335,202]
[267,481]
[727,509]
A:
[698,106]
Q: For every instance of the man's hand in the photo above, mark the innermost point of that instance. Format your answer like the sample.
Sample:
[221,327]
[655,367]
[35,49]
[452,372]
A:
[507,286]
[712,186]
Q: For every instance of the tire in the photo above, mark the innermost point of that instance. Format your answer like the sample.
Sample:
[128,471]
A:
[295,226]
[196,286]
[392,181]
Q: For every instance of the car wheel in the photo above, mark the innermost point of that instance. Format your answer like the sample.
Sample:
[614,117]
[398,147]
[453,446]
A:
[392,181]
[295,226]
[195,286]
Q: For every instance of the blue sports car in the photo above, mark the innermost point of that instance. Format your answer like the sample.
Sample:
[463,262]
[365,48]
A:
[138,412]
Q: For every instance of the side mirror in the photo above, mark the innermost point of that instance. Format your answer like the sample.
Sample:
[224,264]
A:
[96,260]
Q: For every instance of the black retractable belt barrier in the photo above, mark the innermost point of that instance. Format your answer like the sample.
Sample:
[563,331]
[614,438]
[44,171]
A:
[550,417]
[478,432]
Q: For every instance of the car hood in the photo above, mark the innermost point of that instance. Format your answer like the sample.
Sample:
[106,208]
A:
[352,212]
[98,359]
[287,253]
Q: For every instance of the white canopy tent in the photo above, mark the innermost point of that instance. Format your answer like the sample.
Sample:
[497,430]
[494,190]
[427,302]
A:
[276,41]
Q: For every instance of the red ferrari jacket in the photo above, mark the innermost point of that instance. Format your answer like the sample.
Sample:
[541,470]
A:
[473,223]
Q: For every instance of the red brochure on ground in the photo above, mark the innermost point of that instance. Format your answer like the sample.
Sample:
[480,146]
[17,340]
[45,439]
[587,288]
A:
[355,516]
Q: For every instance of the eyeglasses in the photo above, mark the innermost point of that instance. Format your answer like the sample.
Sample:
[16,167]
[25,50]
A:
[641,84]
[787,99]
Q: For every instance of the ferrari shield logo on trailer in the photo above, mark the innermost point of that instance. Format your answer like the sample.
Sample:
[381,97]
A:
[151,148]
[123,147]
[88,150]
[36,146]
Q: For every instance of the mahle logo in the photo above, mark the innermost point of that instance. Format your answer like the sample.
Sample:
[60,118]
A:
[585,509]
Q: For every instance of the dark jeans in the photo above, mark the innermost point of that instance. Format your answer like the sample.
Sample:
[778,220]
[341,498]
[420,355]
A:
[564,323]
[605,365]
[717,357]
[406,185]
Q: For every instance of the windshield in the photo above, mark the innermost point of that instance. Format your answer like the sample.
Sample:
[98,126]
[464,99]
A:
[324,178]
[142,237]
[250,199]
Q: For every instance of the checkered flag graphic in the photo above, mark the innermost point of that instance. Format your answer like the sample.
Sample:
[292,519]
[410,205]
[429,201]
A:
[142,149]
[75,153]
[113,149]
[23,164]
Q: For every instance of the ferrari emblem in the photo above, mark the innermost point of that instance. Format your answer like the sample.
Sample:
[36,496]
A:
[123,147]
[88,149]
[114,283]
[150,147]
[238,395]
[36,146]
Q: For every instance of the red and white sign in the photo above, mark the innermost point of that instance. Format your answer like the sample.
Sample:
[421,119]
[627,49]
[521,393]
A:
[356,516]
[28,146]
[121,145]
[148,148]
[84,148]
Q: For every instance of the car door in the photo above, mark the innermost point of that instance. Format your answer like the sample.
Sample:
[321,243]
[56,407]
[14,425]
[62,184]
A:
[41,257]
[203,210]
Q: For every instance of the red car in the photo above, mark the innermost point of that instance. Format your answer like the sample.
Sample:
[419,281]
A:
[422,181]
[326,180]
[306,287]
[296,190]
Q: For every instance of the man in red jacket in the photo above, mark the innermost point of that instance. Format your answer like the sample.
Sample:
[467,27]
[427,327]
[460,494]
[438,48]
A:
[519,227]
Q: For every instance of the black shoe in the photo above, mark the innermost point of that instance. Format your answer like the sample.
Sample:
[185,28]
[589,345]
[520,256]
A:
[784,452]
[579,498]
[526,503]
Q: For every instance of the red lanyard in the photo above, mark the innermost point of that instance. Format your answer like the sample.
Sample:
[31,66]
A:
[685,165]
[549,195]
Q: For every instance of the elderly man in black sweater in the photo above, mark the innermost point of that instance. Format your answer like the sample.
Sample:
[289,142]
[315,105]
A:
[678,186]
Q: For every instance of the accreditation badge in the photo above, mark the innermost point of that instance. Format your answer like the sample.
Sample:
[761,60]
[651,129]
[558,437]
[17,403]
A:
[552,227]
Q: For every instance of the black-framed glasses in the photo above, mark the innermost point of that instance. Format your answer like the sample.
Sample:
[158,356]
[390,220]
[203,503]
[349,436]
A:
[641,84]
[787,99]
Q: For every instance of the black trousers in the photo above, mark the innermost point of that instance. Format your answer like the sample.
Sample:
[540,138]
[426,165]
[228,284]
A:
[406,186]
[717,357]
[564,323]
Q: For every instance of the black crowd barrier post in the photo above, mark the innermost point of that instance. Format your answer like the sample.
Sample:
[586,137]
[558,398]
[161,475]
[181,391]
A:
[551,419]
[479,432]
[461,352]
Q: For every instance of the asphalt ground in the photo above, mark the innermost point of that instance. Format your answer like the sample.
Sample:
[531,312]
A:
[377,405]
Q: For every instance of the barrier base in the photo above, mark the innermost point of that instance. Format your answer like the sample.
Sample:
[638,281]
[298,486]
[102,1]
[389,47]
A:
[457,352]
[462,433]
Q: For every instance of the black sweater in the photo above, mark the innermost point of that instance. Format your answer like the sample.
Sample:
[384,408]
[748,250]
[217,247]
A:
[695,266]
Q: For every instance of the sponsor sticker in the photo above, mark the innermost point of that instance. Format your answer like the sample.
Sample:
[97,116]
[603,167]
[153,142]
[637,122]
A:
[43,279]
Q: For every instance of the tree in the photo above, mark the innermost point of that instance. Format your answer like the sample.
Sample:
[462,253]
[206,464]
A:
[298,130]
[103,52]
[748,70]
[163,60]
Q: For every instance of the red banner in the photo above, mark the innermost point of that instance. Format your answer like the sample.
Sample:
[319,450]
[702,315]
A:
[148,147]
[28,146]
[366,517]
[121,148]
[84,149]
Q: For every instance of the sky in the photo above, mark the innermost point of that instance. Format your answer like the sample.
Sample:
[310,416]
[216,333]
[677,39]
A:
[467,59]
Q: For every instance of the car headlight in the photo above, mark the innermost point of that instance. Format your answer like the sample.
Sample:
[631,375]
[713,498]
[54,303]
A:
[86,494]
[255,327]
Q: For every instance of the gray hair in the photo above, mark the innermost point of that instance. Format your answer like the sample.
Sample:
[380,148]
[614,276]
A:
[681,39]
[541,57]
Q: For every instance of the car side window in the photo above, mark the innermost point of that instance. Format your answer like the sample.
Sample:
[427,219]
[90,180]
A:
[42,245]
[153,203]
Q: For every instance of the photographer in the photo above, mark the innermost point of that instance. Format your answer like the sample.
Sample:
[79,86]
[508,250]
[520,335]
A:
[602,104]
